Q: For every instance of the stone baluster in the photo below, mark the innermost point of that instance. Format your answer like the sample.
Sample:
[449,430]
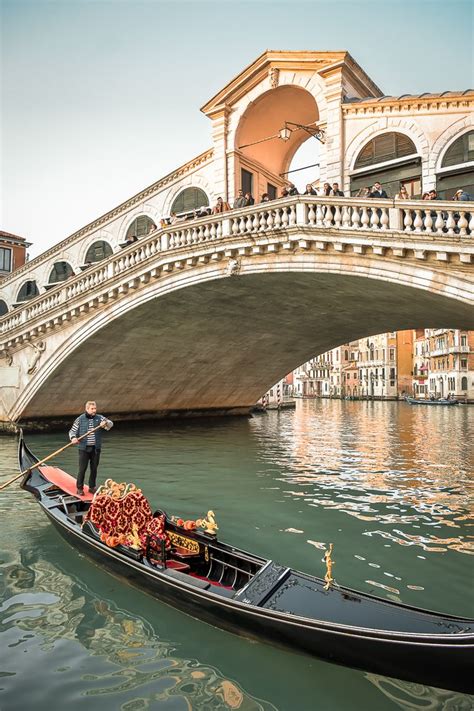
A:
[292,219]
[365,219]
[194,236]
[277,218]
[255,222]
[262,222]
[450,223]
[418,222]
[471,224]
[439,224]
[206,232]
[242,223]
[407,220]
[346,216]
[219,230]
[355,217]
[337,216]
[428,222]
[284,218]
[319,215]
[374,219]
[462,224]
[327,216]
[311,215]
[270,220]
[235,225]
[213,231]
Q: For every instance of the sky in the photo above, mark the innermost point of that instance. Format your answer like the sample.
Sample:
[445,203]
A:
[100,98]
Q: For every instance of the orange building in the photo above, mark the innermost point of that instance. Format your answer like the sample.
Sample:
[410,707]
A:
[12,252]
[404,343]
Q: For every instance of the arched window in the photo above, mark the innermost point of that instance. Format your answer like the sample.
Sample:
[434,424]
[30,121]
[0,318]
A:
[188,200]
[461,151]
[390,159]
[457,170]
[98,251]
[140,226]
[3,308]
[388,146]
[28,291]
[60,272]
[464,383]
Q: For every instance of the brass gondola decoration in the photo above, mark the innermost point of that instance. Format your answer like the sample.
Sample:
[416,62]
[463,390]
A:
[329,563]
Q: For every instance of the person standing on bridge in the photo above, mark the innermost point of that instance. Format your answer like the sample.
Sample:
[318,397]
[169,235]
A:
[89,447]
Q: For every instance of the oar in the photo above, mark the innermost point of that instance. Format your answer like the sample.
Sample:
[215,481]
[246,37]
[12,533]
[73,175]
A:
[50,456]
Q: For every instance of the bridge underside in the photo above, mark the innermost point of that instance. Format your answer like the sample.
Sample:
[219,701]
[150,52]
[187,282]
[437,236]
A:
[217,346]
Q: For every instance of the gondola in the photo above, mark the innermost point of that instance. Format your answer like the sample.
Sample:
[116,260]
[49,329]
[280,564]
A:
[258,598]
[440,401]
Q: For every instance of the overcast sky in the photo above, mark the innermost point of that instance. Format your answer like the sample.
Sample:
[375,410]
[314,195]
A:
[100,98]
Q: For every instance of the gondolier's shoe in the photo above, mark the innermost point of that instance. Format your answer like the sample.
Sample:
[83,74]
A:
[80,491]
[92,489]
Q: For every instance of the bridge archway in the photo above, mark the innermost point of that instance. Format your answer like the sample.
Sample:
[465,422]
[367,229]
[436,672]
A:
[202,341]
[261,152]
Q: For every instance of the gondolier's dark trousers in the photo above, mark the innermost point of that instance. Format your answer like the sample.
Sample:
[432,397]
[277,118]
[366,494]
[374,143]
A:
[92,455]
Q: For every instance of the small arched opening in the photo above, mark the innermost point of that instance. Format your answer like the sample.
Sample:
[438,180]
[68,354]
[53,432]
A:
[464,383]
[188,201]
[60,272]
[28,291]
[98,251]
[3,307]
[390,159]
[457,168]
[141,225]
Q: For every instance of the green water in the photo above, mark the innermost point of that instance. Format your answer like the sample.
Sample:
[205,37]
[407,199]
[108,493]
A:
[387,483]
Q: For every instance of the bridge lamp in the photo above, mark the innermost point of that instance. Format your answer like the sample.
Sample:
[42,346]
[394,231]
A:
[285,132]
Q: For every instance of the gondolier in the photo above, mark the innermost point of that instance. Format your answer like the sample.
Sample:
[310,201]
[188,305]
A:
[90,446]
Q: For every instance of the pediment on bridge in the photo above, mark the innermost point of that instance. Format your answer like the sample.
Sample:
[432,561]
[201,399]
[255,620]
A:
[271,62]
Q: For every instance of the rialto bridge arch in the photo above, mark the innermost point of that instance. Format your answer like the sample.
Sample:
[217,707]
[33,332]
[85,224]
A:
[207,328]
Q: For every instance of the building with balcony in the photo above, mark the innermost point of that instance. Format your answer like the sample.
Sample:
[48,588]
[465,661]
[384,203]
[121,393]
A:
[450,355]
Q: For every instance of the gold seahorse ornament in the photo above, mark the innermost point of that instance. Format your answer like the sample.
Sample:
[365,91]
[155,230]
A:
[209,523]
[329,563]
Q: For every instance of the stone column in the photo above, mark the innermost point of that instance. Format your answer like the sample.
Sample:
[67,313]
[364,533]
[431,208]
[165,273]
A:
[219,135]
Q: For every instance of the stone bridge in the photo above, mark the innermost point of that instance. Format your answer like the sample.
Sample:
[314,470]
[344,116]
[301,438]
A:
[202,317]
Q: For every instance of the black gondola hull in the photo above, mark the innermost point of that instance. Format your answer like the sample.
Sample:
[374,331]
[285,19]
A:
[443,660]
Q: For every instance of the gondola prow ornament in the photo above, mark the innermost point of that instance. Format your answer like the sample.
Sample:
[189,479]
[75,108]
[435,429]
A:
[329,563]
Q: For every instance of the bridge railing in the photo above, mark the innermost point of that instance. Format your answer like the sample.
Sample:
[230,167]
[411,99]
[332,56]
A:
[433,221]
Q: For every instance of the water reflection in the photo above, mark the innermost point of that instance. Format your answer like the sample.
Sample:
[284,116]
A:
[383,463]
[45,609]
[388,484]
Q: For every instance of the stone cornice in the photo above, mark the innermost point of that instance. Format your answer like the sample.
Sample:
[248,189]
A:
[392,105]
[112,214]
[255,72]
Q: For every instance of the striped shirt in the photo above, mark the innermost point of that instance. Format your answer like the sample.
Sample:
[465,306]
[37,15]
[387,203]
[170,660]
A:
[90,439]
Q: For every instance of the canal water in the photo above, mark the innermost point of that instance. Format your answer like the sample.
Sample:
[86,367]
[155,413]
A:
[388,484]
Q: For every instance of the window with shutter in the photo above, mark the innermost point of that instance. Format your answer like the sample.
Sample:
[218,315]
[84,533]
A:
[5,259]
[60,272]
[98,251]
[188,200]
[461,151]
[388,146]
[140,226]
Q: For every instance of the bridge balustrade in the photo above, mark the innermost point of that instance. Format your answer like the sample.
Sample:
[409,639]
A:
[433,221]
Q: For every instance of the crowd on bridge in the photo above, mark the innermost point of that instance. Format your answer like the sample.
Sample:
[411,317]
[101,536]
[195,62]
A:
[246,199]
